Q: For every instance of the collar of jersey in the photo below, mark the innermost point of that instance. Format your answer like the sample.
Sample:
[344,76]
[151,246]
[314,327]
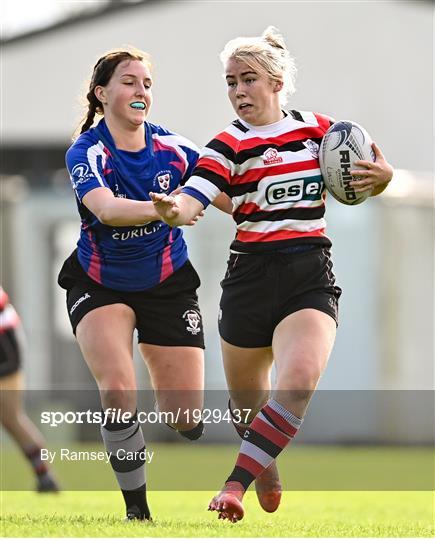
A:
[104,134]
[270,128]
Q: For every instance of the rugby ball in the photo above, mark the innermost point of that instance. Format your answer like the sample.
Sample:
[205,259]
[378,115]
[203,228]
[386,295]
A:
[344,143]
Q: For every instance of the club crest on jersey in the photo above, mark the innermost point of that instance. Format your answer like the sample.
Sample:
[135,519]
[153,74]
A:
[80,174]
[271,156]
[313,147]
[163,180]
[193,321]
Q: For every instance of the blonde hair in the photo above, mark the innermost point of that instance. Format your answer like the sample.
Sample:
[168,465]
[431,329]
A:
[267,54]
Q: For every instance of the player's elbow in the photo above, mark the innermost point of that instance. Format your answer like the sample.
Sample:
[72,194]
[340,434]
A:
[104,216]
[107,216]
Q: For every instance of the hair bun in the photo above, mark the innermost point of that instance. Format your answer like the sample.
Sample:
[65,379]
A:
[272,36]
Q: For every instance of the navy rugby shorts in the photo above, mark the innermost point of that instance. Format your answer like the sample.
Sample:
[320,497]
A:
[260,290]
[10,361]
[167,314]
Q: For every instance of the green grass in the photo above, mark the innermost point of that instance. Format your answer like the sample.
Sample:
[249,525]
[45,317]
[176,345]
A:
[302,514]
[175,467]
[332,492]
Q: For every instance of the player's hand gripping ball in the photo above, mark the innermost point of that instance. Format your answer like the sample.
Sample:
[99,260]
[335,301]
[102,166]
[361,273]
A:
[344,143]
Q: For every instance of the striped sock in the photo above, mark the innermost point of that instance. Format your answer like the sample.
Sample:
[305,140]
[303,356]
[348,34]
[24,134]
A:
[129,473]
[33,454]
[269,433]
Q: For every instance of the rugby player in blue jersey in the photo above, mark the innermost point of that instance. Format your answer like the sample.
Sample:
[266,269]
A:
[130,269]
[279,302]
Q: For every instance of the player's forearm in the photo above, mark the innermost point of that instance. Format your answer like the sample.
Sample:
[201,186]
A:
[124,212]
[223,203]
[184,211]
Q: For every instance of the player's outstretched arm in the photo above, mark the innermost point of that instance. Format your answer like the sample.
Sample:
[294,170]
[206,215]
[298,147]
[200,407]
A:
[375,176]
[176,210]
[116,211]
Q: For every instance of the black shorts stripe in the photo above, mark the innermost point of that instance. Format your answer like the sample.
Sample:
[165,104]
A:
[278,215]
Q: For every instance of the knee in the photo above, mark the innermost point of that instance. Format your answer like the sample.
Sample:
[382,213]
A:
[245,405]
[300,380]
[118,395]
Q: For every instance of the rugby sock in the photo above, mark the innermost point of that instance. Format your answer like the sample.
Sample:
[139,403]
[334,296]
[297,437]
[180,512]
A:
[45,480]
[120,438]
[33,454]
[194,433]
[269,433]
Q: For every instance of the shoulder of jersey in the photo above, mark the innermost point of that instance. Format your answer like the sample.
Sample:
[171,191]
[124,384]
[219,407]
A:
[180,140]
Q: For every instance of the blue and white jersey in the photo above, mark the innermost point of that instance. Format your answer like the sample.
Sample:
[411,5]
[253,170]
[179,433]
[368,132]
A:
[136,257]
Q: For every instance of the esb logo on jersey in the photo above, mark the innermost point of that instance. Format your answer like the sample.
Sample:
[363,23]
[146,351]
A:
[293,190]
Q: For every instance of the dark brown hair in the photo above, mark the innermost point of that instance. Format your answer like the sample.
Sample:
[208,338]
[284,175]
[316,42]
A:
[101,75]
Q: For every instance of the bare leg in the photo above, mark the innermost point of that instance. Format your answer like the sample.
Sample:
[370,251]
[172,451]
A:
[109,354]
[302,343]
[105,336]
[248,374]
[15,420]
[177,377]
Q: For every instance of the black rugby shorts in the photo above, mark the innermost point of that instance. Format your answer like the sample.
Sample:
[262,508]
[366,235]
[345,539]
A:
[260,290]
[167,314]
[10,361]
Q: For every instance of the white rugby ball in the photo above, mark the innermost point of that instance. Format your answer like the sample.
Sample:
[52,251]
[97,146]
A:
[343,144]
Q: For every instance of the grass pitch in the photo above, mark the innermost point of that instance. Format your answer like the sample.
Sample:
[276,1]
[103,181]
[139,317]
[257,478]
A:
[183,514]
[335,492]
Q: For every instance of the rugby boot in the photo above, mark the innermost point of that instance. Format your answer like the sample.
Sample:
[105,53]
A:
[47,484]
[134,513]
[268,488]
[228,503]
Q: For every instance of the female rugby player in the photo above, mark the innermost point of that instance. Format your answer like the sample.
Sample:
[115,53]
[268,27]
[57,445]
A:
[12,414]
[279,302]
[131,270]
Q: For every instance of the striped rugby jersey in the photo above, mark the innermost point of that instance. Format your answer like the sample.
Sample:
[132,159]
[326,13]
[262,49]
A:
[273,177]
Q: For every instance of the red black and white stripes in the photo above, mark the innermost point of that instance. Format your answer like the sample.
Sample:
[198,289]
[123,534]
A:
[273,177]
[269,433]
